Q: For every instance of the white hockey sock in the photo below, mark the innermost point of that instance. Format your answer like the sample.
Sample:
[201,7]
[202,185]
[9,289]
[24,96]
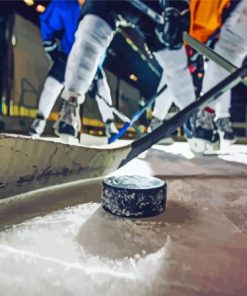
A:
[163,102]
[232,45]
[92,39]
[105,110]
[49,95]
[104,91]
[178,77]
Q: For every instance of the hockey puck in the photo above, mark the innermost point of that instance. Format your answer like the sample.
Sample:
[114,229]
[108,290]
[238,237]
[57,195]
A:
[134,196]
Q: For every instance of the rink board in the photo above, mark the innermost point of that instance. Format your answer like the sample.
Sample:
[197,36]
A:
[28,164]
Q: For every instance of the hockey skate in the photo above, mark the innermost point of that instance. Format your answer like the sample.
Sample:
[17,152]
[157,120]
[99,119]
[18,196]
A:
[155,123]
[225,129]
[110,129]
[38,126]
[202,134]
[69,124]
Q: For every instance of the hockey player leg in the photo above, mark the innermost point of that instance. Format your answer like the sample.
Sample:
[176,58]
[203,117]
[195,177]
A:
[92,38]
[201,132]
[107,117]
[51,91]
[233,47]
[178,77]
[103,98]
[160,112]
[162,103]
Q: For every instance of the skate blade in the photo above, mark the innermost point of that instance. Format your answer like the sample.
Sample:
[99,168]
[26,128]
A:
[34,136]
[201,147]
[67,139]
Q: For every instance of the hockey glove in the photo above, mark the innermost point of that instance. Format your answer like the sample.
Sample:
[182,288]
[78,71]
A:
[51,49]
[176,21]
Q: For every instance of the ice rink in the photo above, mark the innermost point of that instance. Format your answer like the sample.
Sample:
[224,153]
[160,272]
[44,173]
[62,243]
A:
[59,241]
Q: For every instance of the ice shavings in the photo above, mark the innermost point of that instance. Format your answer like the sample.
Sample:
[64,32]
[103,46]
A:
[33,259]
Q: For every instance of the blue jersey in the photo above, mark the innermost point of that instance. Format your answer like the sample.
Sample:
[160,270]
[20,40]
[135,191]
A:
[61,16]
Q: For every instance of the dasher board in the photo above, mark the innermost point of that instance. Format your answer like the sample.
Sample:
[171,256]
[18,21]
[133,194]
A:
[28,164]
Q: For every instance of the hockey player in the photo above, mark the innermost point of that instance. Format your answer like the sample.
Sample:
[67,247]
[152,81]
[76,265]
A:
[205,20]
[63,16]
[94,34]
[232,45]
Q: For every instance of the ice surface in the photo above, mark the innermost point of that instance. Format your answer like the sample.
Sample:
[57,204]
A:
[197,247]
[42,257]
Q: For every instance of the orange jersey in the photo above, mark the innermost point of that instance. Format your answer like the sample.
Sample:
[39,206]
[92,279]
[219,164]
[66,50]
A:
[206,17]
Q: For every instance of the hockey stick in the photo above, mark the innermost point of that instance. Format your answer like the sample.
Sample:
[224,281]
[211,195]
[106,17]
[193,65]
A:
[120,115]
[156,17]
[166,129]
[210,54]
[136,116]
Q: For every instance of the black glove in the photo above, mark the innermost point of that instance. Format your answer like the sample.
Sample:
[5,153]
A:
[176,21]
[51,49]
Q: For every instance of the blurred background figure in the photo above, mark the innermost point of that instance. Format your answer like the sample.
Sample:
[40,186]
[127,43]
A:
[94,35]
[215,119]
[59,22]
[205,21]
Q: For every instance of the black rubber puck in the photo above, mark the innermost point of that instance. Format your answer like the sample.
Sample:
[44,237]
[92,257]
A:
[134,196]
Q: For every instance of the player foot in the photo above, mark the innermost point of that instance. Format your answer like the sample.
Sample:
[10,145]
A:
[110,129]
[38,126]
[226,131]
[201,132]
[69,124]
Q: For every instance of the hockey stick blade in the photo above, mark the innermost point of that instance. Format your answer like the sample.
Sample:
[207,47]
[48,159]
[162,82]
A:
[210,54]
[136,116]
[166,129]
